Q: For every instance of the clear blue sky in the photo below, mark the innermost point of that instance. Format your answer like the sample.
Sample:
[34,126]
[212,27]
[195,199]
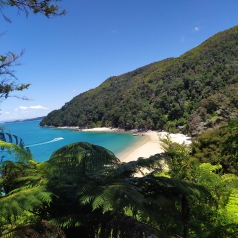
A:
[65,56]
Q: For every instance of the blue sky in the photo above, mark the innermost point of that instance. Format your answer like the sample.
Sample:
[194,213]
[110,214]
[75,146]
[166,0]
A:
[65,56]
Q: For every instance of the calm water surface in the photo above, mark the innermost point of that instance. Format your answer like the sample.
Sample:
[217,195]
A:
[44,141]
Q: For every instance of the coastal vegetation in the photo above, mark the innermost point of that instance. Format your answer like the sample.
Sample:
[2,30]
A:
[84,189]
[197,90]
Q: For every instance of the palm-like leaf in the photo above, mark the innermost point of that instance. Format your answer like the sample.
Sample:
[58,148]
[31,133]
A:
[154,163]
[111,195]
[10,143]
[79,161]
[16,151]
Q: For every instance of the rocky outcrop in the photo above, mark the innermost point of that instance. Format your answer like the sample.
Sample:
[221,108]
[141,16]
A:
[198,125]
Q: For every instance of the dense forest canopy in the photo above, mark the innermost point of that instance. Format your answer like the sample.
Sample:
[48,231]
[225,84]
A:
[188,90]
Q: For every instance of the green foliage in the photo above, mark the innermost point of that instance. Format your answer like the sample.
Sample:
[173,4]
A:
[231,206]
[45,7]
[24,198]
[78,161]
[230,146]
[9,82]
[219,220]
[215,110]
[17,151]
[218,146]
[180,164]
[85,189]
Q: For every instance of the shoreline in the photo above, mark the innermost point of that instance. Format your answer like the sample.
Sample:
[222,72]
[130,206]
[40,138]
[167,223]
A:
[99,129]
[144,148]
[151,145]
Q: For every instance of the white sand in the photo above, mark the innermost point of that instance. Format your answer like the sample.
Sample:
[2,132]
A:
[91,129]
[101,129]
[178,138]
[151,146]
[146,147]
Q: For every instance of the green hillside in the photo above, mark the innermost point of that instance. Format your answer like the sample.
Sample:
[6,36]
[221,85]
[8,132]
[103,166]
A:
[165,94]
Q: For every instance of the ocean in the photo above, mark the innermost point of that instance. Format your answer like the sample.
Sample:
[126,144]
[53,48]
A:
[44,141]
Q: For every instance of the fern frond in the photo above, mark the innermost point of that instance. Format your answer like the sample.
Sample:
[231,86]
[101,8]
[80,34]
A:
[209,167]
[129,169]
[79,160]
[231,206]
[30,179]
[110,195]
[29,199]
[230,179]
[16,151]
[108,199]
[69,220]
[172,188]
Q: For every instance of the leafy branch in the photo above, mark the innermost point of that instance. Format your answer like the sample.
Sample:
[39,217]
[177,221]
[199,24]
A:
[9,82]
[44,7]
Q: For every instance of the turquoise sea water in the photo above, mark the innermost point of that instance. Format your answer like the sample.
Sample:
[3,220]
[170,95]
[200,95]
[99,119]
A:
[44,141]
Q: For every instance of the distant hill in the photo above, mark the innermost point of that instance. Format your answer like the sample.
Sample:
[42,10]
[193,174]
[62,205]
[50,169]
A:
[31,119]
[197,90]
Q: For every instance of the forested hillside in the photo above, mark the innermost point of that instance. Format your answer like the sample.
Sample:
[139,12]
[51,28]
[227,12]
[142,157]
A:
[197,89]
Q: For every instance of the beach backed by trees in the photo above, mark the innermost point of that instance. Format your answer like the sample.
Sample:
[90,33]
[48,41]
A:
[168,185]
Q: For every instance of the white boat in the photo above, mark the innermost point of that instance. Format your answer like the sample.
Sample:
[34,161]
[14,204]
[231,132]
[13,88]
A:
[135,134]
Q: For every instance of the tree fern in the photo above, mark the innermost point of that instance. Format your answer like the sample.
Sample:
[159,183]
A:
[10,143]
[16,151]
[116,195]
[232,205]
[130,169]
[79,160]
[28,199]
[84,188]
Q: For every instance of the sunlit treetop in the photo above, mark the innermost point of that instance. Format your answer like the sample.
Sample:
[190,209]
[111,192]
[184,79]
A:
[45,7]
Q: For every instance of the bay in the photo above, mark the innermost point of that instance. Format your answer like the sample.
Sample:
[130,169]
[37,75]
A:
[44,141]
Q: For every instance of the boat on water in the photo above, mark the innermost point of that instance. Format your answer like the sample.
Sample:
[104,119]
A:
[59,138]
[135,134]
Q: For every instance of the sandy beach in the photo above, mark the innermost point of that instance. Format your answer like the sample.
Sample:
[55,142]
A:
[148,145]
[91,129]
[101,129]
[151,145]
